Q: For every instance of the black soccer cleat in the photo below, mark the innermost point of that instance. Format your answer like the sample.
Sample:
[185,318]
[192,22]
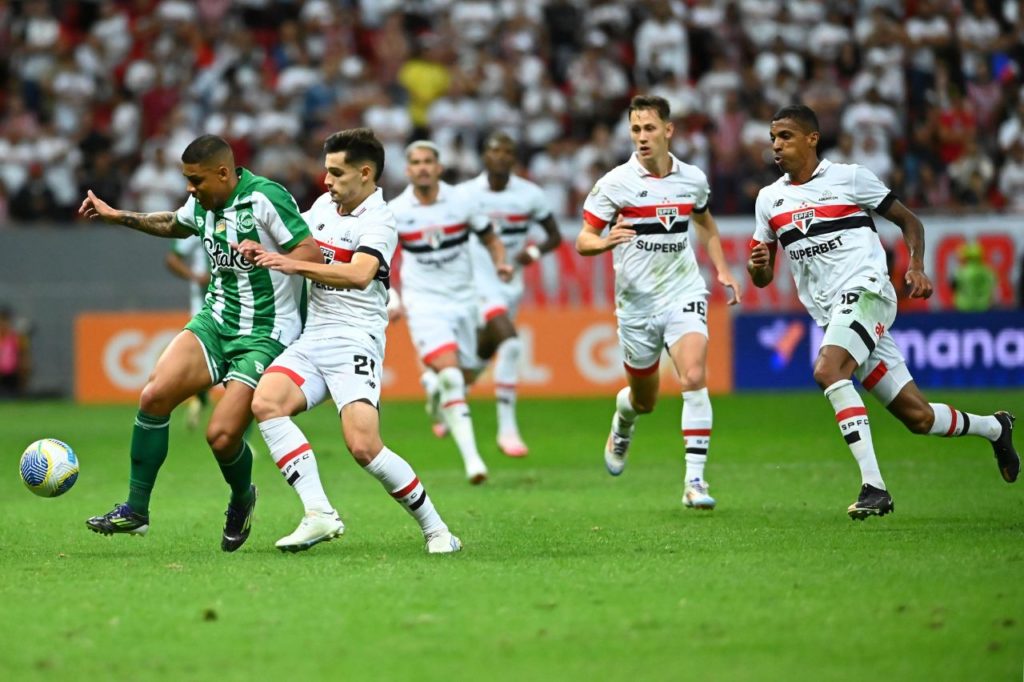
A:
[871,502]
[121,519]
[1006,454]
[238,525]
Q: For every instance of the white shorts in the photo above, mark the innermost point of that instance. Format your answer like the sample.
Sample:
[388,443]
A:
[860,324]
[348,368]
[436,330]
[497,297]
[643,340]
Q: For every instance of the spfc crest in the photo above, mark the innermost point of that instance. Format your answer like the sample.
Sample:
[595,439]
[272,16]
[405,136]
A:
[434,237]
[667,215]
[802,219]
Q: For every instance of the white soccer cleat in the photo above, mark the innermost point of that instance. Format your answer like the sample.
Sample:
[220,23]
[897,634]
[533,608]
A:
[476,471]
[695,495]
[617,447]
[511,445]
[443,542]
[315,527]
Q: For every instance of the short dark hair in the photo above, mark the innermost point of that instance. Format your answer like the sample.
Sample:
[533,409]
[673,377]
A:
[652,102]
[359,145]
[499,137]
[206,148]
[802,114]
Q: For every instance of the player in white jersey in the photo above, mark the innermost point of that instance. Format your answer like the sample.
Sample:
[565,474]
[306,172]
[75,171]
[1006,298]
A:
[434,225]
[187,259]
[510,205]
[249,316]
[341,351]
[820,212]
[660,297]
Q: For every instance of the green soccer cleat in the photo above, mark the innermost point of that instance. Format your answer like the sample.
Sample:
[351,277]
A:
[119,520]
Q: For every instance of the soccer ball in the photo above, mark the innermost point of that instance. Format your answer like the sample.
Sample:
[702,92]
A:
[49,467]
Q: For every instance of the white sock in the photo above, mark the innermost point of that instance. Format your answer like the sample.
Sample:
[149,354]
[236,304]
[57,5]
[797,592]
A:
[852,417]
[294,457]
[506,377]
[951,422]
[456,413]
[625,415]
[401,482]
[696,426]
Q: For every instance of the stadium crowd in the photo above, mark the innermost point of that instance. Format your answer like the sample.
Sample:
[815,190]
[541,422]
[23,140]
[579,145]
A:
[105,94]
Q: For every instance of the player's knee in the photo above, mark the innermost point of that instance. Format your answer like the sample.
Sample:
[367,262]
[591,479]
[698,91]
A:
[222,441]
[153,401]
[825,376]
[643,406]
[692,378]
[363,448]
[264,407]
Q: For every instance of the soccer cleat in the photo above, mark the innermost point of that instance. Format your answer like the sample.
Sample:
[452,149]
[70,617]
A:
[443,542]
[617,447]
[1006,454]
[695,495]
[238,525]
[315,527]
[193,412]
[512,445]
[476,471]
[871,502]
[119,520]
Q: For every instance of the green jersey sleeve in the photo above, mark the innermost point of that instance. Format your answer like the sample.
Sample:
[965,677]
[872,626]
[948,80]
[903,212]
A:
[186,216]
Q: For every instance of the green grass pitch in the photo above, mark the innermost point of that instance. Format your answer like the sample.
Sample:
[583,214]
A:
[567,572]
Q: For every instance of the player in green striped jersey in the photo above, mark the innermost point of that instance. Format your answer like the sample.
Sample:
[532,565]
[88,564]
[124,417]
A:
[249,315]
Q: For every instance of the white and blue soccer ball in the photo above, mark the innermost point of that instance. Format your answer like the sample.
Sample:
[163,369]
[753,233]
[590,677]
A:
[49,467]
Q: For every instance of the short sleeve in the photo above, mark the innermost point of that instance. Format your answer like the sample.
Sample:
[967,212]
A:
[599,208]
[280,217]
[186,216]
[870,192]
[763,231]
[380,241]
[702,193]
[539,207]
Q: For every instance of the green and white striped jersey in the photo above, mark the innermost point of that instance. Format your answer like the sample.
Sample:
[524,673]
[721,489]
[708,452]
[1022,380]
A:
[243,299]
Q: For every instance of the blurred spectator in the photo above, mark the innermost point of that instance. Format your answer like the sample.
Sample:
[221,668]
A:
[156,184]
[843,151]
[597,84]
[34,200]
[15,356]
[1011,179]
[661,45]
[425,77]
[971,175]
[974,281]
[930,38]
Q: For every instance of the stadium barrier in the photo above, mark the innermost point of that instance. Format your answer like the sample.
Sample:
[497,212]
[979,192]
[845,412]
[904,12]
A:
[566,352]
[943,350]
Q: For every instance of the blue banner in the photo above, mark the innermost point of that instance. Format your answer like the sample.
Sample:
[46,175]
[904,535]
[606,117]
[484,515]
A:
[943,350]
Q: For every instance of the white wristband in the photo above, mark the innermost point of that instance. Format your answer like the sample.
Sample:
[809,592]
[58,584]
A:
[533,251]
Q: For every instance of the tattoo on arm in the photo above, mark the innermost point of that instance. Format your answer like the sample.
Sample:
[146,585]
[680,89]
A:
[161,224]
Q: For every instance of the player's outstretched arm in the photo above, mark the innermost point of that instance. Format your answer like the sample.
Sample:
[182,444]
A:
[707,232]
[589,241]
[161,224]
[913,234]
[533,252]
[307,250]
[761,264]
[356,274]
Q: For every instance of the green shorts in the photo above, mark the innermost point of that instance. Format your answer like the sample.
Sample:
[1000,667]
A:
[231,357]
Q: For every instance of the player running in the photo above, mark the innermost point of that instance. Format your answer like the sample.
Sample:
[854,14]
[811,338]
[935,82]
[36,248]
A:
[248,318]
[821,214]
[187,259]
[341,351]
[510,205]
[660,296]
[434,224]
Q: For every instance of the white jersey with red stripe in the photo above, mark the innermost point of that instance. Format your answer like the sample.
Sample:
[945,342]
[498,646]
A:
[656,269]
[369,229]
[436,268]
[825,226]
[509,212]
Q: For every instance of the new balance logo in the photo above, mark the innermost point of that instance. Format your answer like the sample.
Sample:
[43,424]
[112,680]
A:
[778,203]
[642,194]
